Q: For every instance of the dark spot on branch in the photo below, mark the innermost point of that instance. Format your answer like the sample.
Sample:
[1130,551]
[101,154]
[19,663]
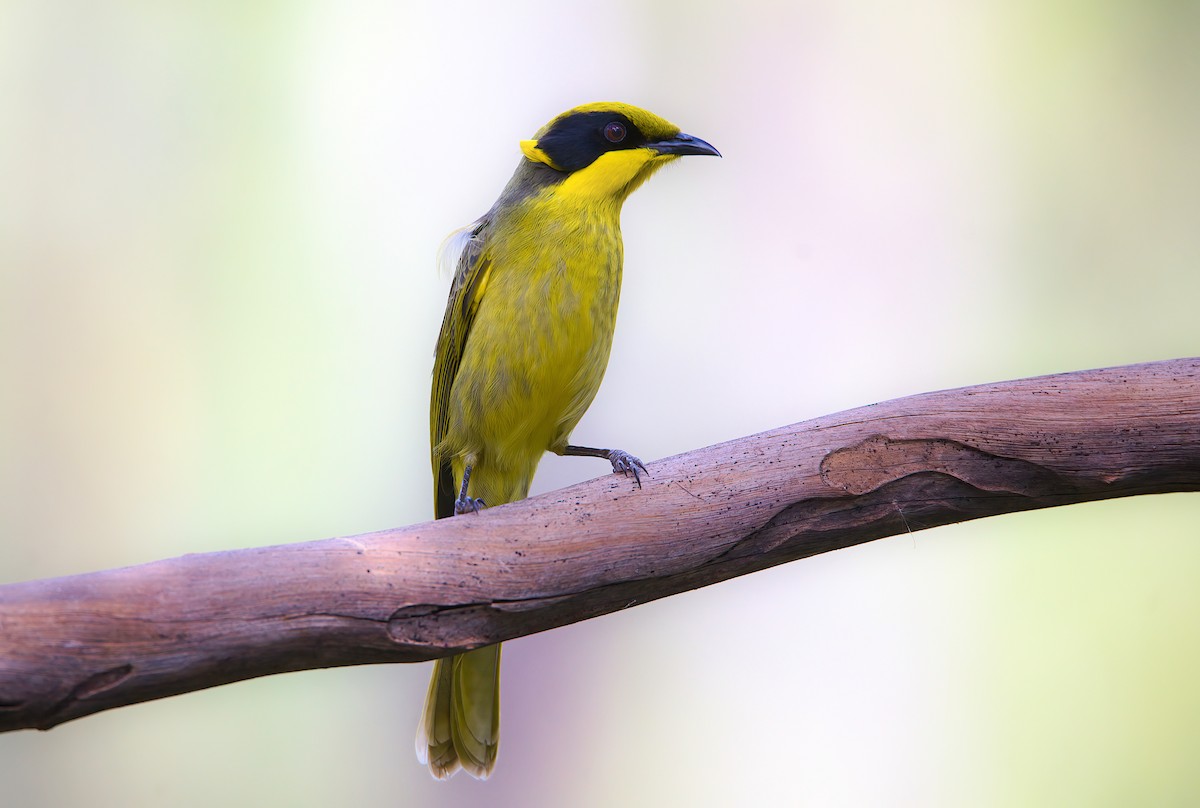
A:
[99,682]
[93,685]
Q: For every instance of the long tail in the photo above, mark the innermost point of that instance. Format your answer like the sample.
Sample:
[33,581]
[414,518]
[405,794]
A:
[461,722]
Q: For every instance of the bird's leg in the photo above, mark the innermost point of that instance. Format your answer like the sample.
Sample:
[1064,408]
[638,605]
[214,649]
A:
[622,462]
[464,503]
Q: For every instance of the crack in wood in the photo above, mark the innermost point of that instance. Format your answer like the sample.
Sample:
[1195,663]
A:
[878,460]
[89,687]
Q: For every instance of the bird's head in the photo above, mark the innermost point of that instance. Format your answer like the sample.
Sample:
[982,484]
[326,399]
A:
[606,150]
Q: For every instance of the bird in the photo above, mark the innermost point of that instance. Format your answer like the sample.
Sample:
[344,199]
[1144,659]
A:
[523,347]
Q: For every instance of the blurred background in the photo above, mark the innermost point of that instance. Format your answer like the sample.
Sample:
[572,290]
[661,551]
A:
[218,304]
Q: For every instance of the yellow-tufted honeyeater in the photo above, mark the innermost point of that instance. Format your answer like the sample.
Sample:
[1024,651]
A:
[522,350]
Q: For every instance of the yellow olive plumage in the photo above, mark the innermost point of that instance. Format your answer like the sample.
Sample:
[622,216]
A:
[523,347]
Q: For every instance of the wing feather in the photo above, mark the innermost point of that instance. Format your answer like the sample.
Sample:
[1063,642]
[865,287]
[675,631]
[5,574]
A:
[466,291]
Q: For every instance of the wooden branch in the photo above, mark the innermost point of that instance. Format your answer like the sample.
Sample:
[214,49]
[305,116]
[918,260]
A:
[78,645]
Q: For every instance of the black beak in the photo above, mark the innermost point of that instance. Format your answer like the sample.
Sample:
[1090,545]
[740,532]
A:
[684,144]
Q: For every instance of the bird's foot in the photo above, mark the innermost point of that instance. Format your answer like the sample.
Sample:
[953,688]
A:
[625,463]
[622,461]
[468,505]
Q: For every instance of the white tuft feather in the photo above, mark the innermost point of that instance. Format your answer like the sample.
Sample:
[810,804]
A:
[452,249]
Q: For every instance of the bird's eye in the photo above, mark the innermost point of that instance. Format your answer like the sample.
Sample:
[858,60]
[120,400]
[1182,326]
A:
[614,132]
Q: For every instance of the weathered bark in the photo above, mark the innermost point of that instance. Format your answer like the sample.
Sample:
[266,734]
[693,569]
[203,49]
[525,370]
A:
[74,646]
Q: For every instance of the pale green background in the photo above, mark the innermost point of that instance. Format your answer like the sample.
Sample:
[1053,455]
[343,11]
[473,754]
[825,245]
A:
[218,304]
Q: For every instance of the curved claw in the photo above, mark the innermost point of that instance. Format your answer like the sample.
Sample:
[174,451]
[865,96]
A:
[468,505]
[624,463]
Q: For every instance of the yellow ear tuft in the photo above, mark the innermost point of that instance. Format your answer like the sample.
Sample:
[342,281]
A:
[534,153]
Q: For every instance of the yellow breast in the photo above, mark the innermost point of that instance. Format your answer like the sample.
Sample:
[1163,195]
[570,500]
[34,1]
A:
[540,341]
